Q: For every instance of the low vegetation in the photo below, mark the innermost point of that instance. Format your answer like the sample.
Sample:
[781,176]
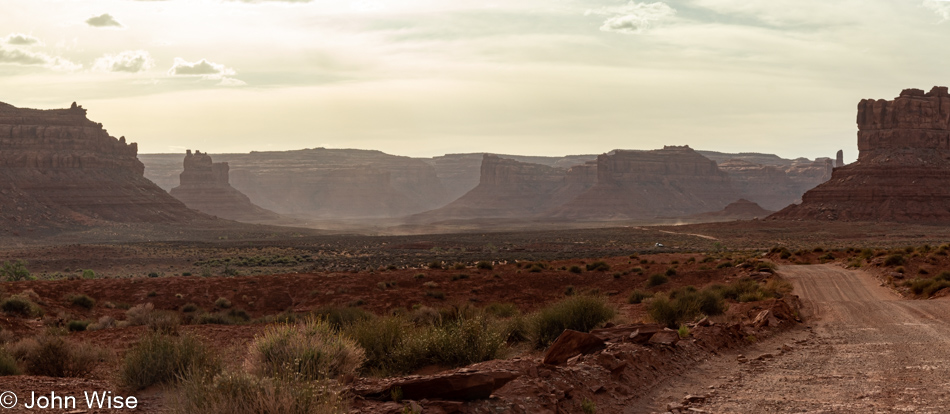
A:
[55,356]
[160,359]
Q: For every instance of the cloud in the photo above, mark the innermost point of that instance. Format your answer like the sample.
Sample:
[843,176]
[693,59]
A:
[940,7]
[131,61]
[200,68]
[633,17]
[104,20]
[21,39]
[27,58]
[206,70]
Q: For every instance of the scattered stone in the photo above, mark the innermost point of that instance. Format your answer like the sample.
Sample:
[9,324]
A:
[666,337]
[571,343]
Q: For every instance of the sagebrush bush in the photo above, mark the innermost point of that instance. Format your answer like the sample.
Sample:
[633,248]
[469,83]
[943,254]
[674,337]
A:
[894,260]
[14,271]
[683,305]
[382,340]
[657,280]
[598,266]
[162,359]
[502,310]
[243,393]
[54,356]
[339,316]
[20,305]
[637,296]
[83,301]
[226,317]
[579,313]
[222,303]
[483,265]
[8,365]
[77,325]
[309,350]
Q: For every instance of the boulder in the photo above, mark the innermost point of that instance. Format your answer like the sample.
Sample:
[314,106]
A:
[456,386]
[665,337]
[571,343]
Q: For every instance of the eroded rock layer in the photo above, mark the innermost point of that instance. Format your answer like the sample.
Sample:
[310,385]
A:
[58,168]
[672,181]
[205,187]
[903,169]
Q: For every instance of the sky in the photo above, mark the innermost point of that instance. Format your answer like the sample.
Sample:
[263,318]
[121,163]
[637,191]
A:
[429,77]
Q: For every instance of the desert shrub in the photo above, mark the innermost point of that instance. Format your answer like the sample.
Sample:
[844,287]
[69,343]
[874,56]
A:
[381,340]
[724,265]
[935,286]
[484,265]
[88,274]
[776,288]
[736,289]
[569,290]
[54,356]
[157,321]
[575,269]
[15,270]
[919,285]
[419,276]
[671,271]
[685,304]
[517,329]
[435,294]
[152,274]
[243,393]
[588,406]
[225,317]
[222,303]
[83,301]
[683,331]
[459,266]
[309,350]
[77,325]
[435,264]
[944,275]
[502,310]
[894,260]
[8,365]
[189,308]
[162,359]
[458,343]
[637,296]
[827,256]
[657,280]
[460,276]
[580,313]
[104,322]
[20,305]
[339,317]
[598,266]
[425,315]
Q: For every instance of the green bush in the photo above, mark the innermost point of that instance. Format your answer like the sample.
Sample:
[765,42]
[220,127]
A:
[226,317]
[502,310]
[484,265]
[382,340]
[222,303]
[657,280]
[339,317]
[575,269]
[598,266]
[243,393]
[54,356]
[20,305]
[579,313]
[435,264]
[894,260]
[683,305]
[162,359]
[88,274]
[671,271]
[638,296]
[83,301]
[8,365]
[309,350]
[724,265]
[77,326]
[15,271]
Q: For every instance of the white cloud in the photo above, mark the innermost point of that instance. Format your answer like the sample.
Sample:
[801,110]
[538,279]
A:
[131,61]
[21,39]
[104,20]
[940,7]
[206,70]
[633,17]
[27,58]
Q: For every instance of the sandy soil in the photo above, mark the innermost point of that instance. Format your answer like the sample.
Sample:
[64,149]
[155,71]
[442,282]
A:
[865,350]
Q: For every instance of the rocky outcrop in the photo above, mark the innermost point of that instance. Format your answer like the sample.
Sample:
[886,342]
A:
[839,159]
[319,182]
[902,169]
[673,181]
[58,168]
[205,187]
[769,180]
[509,189]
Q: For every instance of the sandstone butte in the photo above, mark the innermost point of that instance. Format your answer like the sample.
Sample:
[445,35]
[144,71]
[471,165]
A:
[59,169]
[204,187]
[903,169]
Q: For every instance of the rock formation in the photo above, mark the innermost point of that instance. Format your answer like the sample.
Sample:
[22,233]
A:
[205,187]
[509,188]
[58,168]
[839,159]
[902,169]
[319,182]
[673,181]
[769,180]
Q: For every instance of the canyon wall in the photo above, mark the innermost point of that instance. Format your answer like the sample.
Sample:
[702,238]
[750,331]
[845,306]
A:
[902,169]
[58,168]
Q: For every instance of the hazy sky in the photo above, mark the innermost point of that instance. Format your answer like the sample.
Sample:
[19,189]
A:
[427,77]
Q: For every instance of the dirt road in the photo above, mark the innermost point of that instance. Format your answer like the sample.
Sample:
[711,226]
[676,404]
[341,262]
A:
[864,350]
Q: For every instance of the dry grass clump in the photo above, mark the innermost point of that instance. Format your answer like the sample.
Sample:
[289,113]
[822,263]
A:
[21,304]
[55,356]
[157,321]
[579,313]
[243,393]
[159,358]
[309,350]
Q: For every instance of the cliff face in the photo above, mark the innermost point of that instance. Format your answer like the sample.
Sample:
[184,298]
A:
[902,169]
[673,181]
[769,180]
[57,168]
[509,188]
[205,187]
